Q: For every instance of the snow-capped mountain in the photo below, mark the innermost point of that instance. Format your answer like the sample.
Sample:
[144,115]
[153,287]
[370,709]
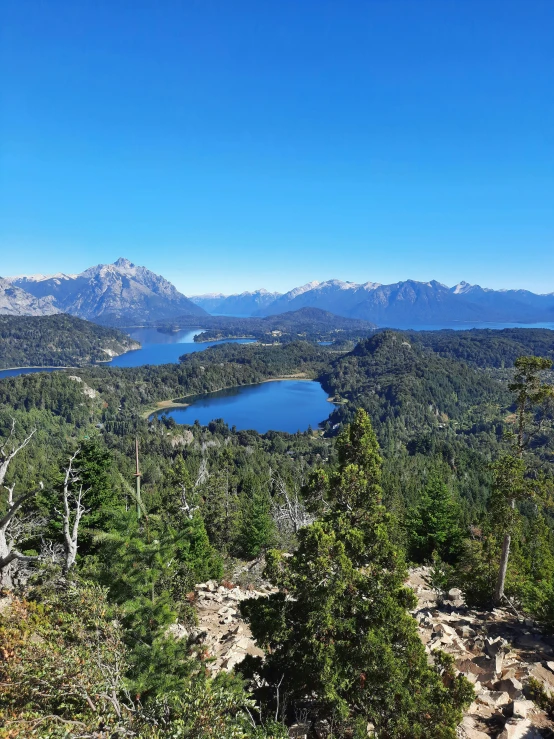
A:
[120,293]
[241,304]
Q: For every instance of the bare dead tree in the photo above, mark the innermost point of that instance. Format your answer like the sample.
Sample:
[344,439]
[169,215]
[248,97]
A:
[10,449]
[288,511]
[14,530]
[73,511]
[185,506]
[52,551]
[203,473]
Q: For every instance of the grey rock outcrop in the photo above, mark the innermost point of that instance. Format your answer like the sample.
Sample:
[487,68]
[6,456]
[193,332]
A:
[116,294]
[17,302]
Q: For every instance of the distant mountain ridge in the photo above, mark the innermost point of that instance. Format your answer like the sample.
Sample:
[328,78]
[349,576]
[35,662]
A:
[123,293]
[17,302]
[243,304]
[115,294]
[408,303]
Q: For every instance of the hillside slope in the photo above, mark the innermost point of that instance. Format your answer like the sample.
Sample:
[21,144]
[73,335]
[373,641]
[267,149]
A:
[57,341]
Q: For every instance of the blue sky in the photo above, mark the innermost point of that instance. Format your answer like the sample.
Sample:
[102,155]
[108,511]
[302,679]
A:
[234,145]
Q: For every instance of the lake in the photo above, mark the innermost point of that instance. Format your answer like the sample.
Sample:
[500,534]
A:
[461,326]
[162,348]
[156,348]
[281,405]
[25,371]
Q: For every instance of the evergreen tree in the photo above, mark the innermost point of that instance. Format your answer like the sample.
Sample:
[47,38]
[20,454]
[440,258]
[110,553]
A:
[257,529]
[338,633]
[433,525]
[531,393]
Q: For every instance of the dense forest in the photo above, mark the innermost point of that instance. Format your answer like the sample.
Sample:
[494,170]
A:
[432,440]
[305,324]
[488,347]
[57,341]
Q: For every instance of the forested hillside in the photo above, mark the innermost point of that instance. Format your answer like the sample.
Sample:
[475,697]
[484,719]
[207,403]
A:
[57,341]
[417,464]
[488,347]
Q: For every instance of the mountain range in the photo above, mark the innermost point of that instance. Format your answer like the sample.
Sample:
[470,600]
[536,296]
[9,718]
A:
[116,294]
[242,304]
[123,293]
[407,303]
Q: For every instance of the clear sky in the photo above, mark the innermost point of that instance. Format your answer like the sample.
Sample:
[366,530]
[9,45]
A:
[234,144]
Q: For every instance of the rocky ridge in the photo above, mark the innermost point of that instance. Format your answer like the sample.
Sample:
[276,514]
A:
[497,651]
[121,293]
[17,302]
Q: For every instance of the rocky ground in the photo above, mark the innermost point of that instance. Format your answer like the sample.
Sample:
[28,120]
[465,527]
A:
[497,651]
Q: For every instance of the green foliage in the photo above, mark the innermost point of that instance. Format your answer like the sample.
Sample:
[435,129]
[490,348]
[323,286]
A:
[308,324]
[477,569]
[150,567]
[489,348]
[207,709]
[57,341]
[433,524]
[63,661]
[536,586]
[257,528]
[340,637]
[63,674]
[338,629]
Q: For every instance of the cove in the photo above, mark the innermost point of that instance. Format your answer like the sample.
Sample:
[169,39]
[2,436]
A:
[157,347]
[279,405]
[164,348]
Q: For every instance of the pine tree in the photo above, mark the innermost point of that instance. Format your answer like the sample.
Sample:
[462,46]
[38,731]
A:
[257,529]
[433,525]
[338,634]
[509,485]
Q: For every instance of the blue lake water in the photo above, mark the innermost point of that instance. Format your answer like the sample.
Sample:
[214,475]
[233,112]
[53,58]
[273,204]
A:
[283,405]
[27,371]
[156,348]
[460,326]
[161,348]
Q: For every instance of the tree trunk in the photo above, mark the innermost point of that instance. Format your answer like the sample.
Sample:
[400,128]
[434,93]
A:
[499,592]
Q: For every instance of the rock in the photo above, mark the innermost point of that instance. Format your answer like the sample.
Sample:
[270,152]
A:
[493,698]
[544,676]
[177,631]
[510,685]
[444,629]
[520,708]
[232,659]
[466,632]
[550,666]
[494,646]
[454,594]
[469,726]
[519,729]
[530,641]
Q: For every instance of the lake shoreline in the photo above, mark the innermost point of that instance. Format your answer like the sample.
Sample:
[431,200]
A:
[170,404]
[8,369]
[136,346]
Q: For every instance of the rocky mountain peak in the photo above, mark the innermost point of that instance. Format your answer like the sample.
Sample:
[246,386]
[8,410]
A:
[123,263]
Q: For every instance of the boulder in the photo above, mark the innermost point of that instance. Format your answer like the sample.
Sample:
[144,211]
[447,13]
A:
[519,728]
[520,708]
[544,676]
[493,698]
[471,730]
[510,685]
